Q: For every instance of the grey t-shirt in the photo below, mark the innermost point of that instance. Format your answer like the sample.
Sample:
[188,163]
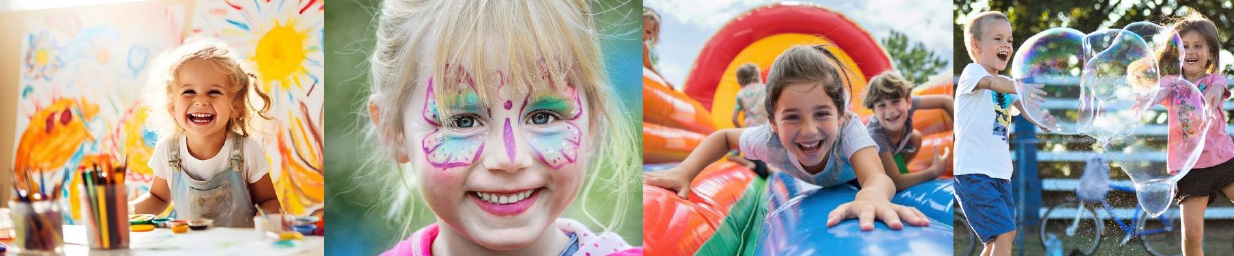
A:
[884,141]
[759,143]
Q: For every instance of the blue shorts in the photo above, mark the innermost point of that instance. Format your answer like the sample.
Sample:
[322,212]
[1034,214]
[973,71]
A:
[987,204]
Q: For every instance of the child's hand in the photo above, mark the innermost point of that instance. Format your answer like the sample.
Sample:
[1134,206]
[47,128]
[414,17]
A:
[671,179]
[1046,121]
[1213,96]
[1032,96]
[941,161]
[866,210]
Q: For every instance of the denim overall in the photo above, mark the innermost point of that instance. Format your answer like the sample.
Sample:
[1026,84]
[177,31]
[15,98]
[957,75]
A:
[223,198]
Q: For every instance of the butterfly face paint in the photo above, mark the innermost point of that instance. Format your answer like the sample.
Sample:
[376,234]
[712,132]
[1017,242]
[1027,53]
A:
[458,143]
[551,121]
[508,137]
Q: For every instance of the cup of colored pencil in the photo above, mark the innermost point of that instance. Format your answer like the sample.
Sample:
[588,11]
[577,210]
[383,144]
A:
[104,204]
[38,219]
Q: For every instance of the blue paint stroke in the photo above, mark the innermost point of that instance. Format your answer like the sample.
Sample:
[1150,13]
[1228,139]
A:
[238,24]
[137,58]
[150,137]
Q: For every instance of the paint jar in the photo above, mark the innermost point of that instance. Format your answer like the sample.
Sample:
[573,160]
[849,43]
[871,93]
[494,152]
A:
[39,226]
[306,229]
[272,223]
[161,222]
[306,220]
[200,224]
[105,211]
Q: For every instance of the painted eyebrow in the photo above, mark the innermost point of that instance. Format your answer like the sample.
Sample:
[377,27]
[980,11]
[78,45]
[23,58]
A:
[551,102]
[467,101]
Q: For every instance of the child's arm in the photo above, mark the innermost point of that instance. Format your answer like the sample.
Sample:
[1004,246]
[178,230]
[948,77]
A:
[154,202]
[874,199]
[874,185]
[1215,91]
[905,180]
[1046,122]
[1005,85]
[647,60]
[943,102]
[262,193]
[996,83]
[736,112]
[711,149]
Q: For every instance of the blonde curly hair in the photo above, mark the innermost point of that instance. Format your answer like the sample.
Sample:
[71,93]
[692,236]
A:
[249,102]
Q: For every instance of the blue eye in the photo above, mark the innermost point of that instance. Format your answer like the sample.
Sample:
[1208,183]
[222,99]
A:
[464,121]
[542,117]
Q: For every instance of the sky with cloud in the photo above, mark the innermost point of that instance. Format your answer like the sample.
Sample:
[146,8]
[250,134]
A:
[689,24]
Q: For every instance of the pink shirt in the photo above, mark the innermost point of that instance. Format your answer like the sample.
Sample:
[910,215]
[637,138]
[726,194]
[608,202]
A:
[1218,146]
[607,243]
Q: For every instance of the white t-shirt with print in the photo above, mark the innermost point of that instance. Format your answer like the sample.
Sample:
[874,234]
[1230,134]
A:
[760,143]
[254,161]
[982,119]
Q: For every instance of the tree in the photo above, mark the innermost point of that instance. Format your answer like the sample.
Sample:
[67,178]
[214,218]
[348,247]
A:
[915,62]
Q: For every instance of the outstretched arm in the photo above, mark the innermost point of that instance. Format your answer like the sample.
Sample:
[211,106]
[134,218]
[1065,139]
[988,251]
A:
[678,178]
[943,102]
[873,201]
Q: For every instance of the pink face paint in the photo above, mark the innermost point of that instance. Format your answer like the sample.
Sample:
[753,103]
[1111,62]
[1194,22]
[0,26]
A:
[501,82]
[465,76]
[508,137]
[445,149]
[557,144]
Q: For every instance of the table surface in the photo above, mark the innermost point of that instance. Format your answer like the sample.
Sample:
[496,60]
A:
[213,241]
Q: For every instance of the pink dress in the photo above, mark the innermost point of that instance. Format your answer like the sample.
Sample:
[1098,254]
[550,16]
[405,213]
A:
[1218,146]
[589,244]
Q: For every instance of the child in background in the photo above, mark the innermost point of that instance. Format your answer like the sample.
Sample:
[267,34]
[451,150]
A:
[750,97]
[502,109]
[890,97]
[201,92]
[1213,172]
[651,37]
[749,102]
[810,136]
[983,105]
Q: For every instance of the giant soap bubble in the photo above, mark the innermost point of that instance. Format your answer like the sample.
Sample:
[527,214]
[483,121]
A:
[1053,61]
[1120,86]
[1121,73]
[1141,157]
[1163,41]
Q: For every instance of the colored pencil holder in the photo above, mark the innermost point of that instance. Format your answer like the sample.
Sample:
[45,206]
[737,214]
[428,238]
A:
[106,214]
[39,226]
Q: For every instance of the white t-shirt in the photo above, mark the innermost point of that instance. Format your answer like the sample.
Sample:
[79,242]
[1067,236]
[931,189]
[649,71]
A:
[982,119]
[759,143]
[254,161]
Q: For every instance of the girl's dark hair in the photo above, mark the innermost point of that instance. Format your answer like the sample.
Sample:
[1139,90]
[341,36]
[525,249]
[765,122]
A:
[806,64]
[1169,58]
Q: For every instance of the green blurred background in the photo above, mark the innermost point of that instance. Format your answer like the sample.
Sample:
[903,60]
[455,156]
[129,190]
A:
[349,39]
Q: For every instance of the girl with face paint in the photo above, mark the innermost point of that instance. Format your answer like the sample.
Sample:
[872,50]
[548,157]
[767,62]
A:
[810,136]
[499,113]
